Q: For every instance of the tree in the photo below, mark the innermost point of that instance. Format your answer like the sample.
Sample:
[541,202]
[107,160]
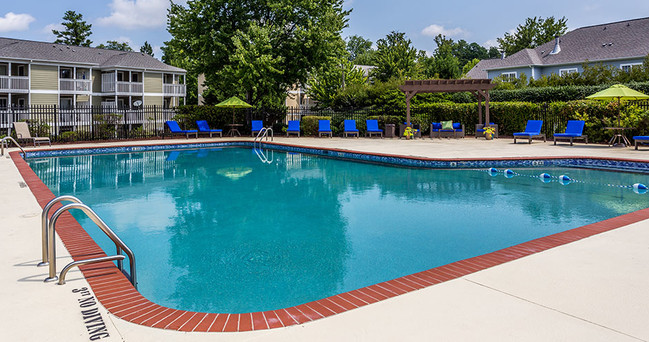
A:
[325,83]
[360,50]
[255,49]
[146,48]
[469,65]
[76,30]
[444,64]
[115,45]
[466,52]
[534,32]
[395,57]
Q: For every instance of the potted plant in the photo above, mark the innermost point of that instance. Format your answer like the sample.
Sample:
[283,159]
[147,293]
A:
[409,132]
[489,132]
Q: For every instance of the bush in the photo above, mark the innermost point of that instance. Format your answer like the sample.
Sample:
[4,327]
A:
[309,124]
[68,136]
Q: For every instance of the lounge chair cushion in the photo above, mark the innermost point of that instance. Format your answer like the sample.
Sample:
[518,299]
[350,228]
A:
[447,125]
[457,126]
[437,125]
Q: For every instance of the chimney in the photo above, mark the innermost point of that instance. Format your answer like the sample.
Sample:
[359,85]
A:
[503,54]
[557,47]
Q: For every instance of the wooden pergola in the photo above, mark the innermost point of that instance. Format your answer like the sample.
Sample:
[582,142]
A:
[478,87]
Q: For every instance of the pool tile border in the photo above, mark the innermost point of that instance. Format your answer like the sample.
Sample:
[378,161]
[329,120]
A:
[120,298]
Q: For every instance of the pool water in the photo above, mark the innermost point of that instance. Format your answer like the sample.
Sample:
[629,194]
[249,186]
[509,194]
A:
[218,230]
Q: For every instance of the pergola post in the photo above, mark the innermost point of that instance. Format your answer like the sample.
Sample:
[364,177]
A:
[486,112]
[409,96]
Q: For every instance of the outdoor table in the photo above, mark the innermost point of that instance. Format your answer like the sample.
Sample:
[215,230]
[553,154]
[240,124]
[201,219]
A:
[233,129]
[618,139]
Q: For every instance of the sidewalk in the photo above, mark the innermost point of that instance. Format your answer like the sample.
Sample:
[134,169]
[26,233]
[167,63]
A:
[594,289]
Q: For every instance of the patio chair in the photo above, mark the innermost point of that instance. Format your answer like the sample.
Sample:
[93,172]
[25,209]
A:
[324,128]
[574,130]
[373,128]
[175,129]
[22,133]
[640,139]
[479,130]
[350,128]
[257,125]
[532,130]
[293,128]
[204,128]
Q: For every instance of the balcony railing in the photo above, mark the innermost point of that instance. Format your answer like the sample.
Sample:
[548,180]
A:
[19,84]
[174,90]
[122,88]
[74,86]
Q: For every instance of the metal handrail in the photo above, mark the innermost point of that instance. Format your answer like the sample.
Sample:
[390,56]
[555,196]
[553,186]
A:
[4,142]
[263,133]
[119,244]
[263,156]
[45,222]
[69,266]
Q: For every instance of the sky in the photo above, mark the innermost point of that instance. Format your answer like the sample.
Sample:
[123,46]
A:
[136,21]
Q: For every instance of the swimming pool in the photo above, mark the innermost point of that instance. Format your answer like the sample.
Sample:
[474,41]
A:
[266,236]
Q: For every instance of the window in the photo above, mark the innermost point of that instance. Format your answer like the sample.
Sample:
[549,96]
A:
[135,78]
[65,73]
[3,70]
[21,71]
[509,76]
[628,67]
[563,72]
[3,103]
[21,103]
[120,76]
[65,103]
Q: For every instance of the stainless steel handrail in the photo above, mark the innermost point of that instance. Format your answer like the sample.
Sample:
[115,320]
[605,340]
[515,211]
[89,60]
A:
[120,245]
[4,142]
[69,266]
[45,222]
[263,133]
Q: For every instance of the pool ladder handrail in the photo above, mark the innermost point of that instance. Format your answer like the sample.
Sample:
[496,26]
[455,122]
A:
[119,244]
[263,133]
[4,143]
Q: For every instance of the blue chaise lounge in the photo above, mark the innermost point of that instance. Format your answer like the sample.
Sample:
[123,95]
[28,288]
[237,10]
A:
[293,128]
[532,130]
[175,129]
[204,128]
[373,128]
[574,130]
[324,128]
[350,128]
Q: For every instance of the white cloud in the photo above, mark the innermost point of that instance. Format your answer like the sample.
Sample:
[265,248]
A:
[434,30]
[134,14]
[15,22]
[491,43]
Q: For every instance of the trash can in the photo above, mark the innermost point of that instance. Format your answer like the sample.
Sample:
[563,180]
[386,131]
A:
[389,130]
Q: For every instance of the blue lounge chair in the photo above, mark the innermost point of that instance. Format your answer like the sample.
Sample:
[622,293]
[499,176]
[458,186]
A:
[175,129]
[532,130]
[479,130]
[293,128]
[257,125]
[350,128]
[574,130]
[373,128]
[640,139]
[204,128]
[324,127]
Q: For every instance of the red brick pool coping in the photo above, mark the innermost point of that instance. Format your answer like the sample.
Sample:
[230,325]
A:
[121,299]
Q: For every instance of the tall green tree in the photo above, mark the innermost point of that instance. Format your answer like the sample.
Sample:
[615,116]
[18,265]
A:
[146,48]
[360,50]
[534,32]
[76,30]
[115,45]
[257,49]
[466,52]
[326,82]
[445,64]
[395,57]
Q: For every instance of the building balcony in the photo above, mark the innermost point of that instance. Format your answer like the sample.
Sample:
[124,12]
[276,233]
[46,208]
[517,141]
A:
[174,90]
[72,86]
[14,84]
[122,88]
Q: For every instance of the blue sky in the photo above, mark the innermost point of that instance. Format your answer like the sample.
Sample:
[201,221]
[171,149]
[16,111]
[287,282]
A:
[134,21]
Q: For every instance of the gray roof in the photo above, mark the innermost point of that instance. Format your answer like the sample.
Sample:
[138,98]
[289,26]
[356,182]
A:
[618,40]
[96,58]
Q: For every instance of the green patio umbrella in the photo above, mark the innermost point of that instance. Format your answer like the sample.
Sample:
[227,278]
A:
[619,92]
[233,102]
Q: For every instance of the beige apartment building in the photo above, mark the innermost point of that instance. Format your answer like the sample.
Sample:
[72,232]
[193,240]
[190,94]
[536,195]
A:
[38,73]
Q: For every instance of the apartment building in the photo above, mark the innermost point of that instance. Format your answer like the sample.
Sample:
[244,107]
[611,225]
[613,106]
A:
[38,73]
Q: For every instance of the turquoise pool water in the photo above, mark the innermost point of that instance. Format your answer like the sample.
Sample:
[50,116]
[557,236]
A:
[217,230]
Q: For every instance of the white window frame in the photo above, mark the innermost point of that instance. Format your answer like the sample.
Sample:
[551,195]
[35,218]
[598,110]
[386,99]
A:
[629,65]
[509,76]
[6,102]
[567,71]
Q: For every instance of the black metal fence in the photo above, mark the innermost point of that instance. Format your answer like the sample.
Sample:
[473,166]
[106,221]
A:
[88,122]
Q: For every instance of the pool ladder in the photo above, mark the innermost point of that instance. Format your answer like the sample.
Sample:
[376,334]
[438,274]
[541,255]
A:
[48,225]
[263,155]
[4,143]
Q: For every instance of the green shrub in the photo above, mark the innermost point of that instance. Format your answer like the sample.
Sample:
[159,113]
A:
[68,136]
[309,124]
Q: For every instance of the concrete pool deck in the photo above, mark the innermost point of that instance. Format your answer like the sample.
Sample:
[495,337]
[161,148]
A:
[592,289]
